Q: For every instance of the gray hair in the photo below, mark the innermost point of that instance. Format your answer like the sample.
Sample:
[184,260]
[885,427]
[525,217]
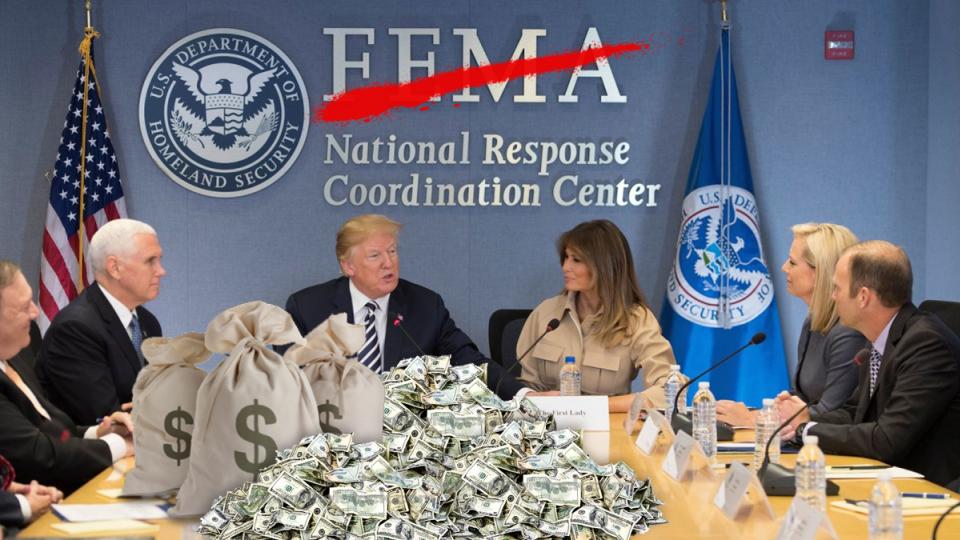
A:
[115,238]
[8,273]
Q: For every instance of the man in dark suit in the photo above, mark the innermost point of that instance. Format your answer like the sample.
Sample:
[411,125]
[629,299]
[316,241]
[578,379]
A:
[906,409]
[91,353]
[22,503]
[371,292]
[40,440]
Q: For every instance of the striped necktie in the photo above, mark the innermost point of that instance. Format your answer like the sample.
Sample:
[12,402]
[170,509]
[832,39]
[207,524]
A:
[136,336]
[874,369]
[370,352]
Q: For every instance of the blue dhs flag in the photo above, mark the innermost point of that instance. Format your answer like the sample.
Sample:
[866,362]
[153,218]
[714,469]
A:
[719,292]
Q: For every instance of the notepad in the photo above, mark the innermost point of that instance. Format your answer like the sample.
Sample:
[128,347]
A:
[864,471]
[113,525]
[108,512]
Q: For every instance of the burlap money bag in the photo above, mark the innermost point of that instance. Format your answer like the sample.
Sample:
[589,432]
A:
[251,405]
[349,395]
[164,407]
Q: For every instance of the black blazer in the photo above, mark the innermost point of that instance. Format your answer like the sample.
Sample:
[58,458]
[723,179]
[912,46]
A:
[52,452]
[87,363]
[912,419]
[424,316]
[10,513]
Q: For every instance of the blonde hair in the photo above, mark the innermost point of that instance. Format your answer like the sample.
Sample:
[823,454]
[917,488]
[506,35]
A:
[8,273]
[825,242]
[605,251]
[357,229]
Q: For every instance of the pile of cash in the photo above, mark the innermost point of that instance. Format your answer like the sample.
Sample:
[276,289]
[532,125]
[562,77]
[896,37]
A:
[456,461]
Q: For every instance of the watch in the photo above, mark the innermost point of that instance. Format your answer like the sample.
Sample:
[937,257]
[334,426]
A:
[798,435]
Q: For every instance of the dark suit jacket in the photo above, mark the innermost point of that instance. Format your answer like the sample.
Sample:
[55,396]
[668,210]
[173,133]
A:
[87,363]
[53,451]
[912,419]
[10,513]
[424,317]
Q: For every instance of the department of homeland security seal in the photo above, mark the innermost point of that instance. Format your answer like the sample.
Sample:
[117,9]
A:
[719,250]
[224,112]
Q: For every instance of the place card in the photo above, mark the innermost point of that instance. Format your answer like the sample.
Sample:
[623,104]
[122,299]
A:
[733,491]
[803,521]
[587,413]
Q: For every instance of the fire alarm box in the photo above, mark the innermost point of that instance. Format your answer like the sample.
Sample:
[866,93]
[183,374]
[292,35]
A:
[838,45]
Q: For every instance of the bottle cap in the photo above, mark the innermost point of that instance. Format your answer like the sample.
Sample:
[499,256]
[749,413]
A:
[884,475]
[704,385]
[674,367]
[570,360]
[767,402]
[811,439]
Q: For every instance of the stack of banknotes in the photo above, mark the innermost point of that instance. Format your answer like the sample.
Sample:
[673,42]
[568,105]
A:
[456,461]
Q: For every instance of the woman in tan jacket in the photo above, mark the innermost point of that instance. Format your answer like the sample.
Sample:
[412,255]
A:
[604,322]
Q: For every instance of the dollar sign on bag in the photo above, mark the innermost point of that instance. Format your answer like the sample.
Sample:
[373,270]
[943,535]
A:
[174,425]
[326,410]
[264,449]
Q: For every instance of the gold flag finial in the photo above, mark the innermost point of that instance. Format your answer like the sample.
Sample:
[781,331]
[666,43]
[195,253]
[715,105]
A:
[89,32]
[88,6]
[723,11]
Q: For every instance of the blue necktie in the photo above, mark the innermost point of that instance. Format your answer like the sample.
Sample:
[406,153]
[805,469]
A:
[136,336]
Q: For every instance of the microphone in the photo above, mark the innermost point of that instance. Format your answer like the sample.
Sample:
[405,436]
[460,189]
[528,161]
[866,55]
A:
[398,322]
[685,423]
[551,326]
[779,480]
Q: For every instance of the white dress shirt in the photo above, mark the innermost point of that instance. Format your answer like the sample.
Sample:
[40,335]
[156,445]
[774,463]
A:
[360,313]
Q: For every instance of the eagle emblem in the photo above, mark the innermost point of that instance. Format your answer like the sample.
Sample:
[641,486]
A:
[226,112]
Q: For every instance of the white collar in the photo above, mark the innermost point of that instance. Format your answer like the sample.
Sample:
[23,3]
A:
[123,313]
[881,343]
[360,300]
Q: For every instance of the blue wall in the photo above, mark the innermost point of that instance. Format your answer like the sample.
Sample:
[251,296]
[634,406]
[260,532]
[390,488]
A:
[871,143]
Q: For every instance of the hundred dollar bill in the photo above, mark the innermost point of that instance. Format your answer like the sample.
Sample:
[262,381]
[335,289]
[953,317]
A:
[416,369]
[534,430]
[339,443]
[486,478]
[562,438]
[597,518]
[395,442]
[256,497]
[292,491]
[365,504]
[396,502]
[465,373]
[396,417]
[437,365]
[554,491]
[487,506]
[292,519]
[366,451]
[343,475]
[512,434]
[447,396]
[262,523]
[541,462]
[590,488]
[213,519]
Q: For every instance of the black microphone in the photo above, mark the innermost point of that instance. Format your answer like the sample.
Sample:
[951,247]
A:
[680,422]
[777,479]
[398,322]
[551,326]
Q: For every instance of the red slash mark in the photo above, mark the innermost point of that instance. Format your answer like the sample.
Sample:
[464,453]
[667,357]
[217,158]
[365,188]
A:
[372,101]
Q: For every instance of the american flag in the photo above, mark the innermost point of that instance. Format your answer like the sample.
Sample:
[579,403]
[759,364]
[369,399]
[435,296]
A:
[86,189]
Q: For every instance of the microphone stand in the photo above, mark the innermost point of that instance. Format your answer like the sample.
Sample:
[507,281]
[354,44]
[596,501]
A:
[684,422]
[398,322]
[779,480]
[551,326]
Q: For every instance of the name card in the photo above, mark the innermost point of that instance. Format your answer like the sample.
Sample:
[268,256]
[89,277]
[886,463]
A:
[650,432]
[589,413]
[675,465]
[636,406]
[803,521]
[741,486]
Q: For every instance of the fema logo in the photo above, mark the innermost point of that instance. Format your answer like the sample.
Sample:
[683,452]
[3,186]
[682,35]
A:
[224,112]
[716,255]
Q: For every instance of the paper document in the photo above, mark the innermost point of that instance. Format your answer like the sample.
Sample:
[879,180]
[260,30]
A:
[108,512]
[747,448]
[911,507]
[116,525]
[867,471]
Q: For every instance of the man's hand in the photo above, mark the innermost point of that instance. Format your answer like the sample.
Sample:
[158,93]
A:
[126,407]
[120,423]
[735,413]
[787,406]
[38,499]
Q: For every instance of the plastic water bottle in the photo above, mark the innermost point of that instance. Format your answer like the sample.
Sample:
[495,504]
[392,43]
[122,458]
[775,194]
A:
[682,402]
[670,387]
[570,377]
[767,422]
[886,512]
[705,420]
[811,474]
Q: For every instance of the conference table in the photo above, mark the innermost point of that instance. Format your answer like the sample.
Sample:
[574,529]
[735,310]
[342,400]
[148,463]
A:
[688,505]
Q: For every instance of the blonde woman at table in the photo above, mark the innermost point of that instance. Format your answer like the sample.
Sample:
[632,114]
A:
[826,375]
[605,323]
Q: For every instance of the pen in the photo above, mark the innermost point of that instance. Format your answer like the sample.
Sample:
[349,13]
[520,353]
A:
[942,496]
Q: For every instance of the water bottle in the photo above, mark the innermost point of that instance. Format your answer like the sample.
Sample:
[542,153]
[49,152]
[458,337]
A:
[811,474]
[705,420]
[570,377]
[767,422]
[670,387]
[886,513]
[682,402]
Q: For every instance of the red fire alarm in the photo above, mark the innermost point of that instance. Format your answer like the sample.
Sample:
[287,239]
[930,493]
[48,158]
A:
[838,45]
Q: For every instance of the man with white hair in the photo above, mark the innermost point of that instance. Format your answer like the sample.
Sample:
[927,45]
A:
[91,352]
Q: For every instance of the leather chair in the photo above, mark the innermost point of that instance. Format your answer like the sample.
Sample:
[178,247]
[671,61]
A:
[504,332]
[949,312]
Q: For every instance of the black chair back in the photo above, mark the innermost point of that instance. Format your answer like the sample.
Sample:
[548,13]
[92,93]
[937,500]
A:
[504,331]
[949,312]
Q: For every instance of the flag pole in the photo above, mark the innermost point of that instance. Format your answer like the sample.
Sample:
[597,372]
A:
[89,33]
